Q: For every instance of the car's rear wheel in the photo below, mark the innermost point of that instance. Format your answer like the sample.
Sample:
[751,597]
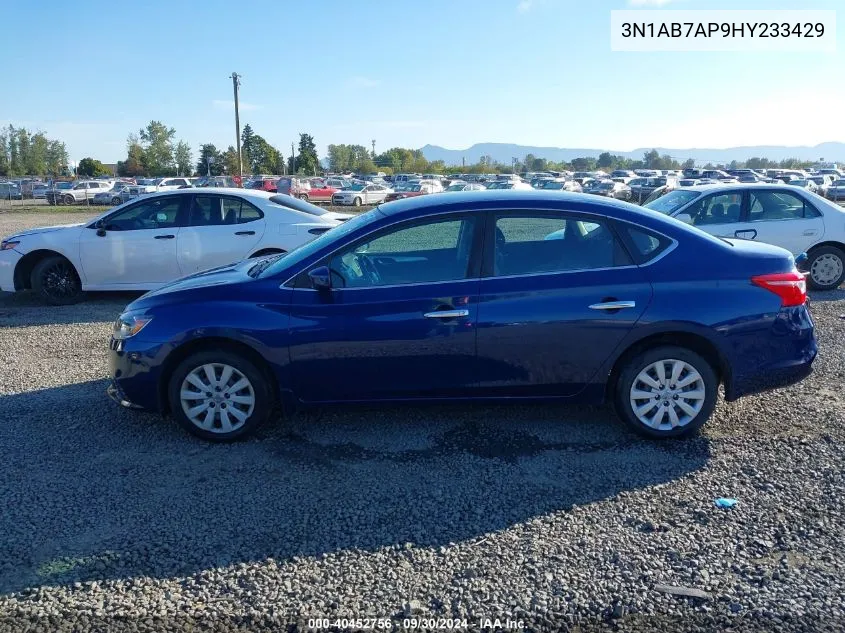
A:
[827,268]
[68,199]
[666,391]
[219,395]
[55,280]
[303,196]
[116,200]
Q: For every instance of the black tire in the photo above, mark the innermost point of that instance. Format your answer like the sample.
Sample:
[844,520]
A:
[633,367]
[824,257]
[115,201]
[356,202]
[69,199]
[264,401]
[56,281]
[303,196]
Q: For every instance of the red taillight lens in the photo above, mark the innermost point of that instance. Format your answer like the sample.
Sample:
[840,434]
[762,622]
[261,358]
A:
[791,287]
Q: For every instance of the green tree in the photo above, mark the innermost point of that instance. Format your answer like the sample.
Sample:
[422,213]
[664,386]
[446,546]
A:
[652,159]
[230,161]
[249,146]
[136,159]
[216,166]
[4,156]
[91,167]
[307,161]
[689,163]
[56,158]
[157,140]
[605,160]
[183,158]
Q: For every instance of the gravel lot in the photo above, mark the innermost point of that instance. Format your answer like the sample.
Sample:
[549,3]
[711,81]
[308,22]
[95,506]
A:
[117,520]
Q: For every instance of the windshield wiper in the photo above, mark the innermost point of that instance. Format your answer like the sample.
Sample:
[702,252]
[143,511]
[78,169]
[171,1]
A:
[261,266]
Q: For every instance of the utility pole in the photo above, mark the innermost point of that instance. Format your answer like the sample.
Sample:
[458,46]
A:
[374,148]
[236,82]
[292,160]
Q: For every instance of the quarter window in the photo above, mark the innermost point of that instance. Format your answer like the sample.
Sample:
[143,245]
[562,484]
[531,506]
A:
[547,243]
[767,206]
[643,244]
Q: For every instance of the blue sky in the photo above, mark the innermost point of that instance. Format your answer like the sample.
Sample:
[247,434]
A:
[534,72]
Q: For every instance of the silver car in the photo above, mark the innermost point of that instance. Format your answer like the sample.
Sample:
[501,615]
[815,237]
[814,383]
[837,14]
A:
[360,194]
[111,197]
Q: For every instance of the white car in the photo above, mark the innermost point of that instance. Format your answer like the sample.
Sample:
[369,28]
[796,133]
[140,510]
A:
[465,186]
[790,217]
[157,238]
[361,193]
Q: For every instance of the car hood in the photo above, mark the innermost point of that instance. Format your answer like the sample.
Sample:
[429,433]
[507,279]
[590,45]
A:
[46,229]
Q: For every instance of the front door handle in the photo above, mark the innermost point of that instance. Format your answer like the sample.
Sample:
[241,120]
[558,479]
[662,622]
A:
[739,234]
[446,314]
[244,232]
[164,237]
[613,305]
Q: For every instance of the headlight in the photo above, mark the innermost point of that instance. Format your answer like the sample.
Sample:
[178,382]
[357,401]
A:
[129,325]
[7,245]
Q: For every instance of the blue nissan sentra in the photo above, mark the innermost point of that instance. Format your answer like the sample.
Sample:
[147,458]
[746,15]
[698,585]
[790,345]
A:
[474,296]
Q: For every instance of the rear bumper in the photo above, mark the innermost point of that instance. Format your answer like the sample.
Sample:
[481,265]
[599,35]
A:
[784,358]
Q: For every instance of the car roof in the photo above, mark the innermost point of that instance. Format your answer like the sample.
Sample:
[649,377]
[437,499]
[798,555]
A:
[730,186]
[247,193]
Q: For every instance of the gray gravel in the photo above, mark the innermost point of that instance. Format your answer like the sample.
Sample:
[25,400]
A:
[559,517]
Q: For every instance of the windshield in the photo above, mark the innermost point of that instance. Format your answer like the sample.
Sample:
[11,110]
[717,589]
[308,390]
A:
[672,201]
[356,187]
[309,248]
[298,205]
[606,185]
[64,185]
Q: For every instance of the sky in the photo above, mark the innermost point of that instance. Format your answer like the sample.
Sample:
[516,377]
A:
[405,73]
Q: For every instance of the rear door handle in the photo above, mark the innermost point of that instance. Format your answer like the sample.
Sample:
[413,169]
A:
[446,314]
[244,232]
[811,232]
[613,305]
[164,237]
[752,231]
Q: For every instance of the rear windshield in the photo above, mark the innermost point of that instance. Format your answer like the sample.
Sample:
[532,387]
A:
[297,205]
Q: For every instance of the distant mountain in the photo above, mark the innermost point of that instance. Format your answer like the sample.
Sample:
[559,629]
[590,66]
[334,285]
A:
[504,152]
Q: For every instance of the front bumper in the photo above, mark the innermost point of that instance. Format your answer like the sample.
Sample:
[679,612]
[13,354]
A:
[134,370]
[8,261]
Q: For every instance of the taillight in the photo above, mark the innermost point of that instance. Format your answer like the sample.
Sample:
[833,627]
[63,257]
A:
[791,287]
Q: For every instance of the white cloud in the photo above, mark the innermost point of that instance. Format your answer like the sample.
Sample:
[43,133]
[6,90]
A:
[524,5]
[362,82]
[243,106]
[649,3]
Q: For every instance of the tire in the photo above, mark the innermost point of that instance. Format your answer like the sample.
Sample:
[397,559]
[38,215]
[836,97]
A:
[829,265]
[69,199]
[303,196]
[56,281]
[704,379]
[115,201]
[356,202]
[254,414]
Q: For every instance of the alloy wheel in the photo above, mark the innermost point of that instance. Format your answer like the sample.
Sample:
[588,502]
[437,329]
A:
[667,394]
[217,398]
[59,281]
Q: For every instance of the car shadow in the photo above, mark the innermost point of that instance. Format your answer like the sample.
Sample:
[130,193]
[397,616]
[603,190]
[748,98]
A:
[25,309]
[92,491]
[826,295]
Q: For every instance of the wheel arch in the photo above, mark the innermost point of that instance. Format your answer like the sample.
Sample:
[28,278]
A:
[692,341]
[211,343]
[261,252]
[832,243]
[23,269]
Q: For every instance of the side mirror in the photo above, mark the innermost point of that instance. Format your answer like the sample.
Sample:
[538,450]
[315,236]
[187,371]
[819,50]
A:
[101,228]
[321,278]
[684,217]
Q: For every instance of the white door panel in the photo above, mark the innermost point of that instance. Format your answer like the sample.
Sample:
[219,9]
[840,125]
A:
[129,257]
[204,247]
[785,219]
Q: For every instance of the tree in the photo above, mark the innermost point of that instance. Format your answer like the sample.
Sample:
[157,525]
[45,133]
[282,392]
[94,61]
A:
[249,142]
[216,166]
[157,140]
[689,163]
[307,161]
[230,161]
[56,158]
[652,159]
[91,167]
[136,160]
[182,156]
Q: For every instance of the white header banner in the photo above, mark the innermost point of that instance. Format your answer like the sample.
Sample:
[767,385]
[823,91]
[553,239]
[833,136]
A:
[717,30]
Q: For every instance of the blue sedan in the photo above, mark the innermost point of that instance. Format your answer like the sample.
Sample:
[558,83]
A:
[478,296]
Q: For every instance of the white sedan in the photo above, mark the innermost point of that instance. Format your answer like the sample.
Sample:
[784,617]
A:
[790,217]
[362,193]
[155,239]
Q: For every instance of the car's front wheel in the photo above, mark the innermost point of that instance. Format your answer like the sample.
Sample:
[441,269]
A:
[115,201]
[356,202]
[56,280]
[666,391]
[219,395]
[827,268]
